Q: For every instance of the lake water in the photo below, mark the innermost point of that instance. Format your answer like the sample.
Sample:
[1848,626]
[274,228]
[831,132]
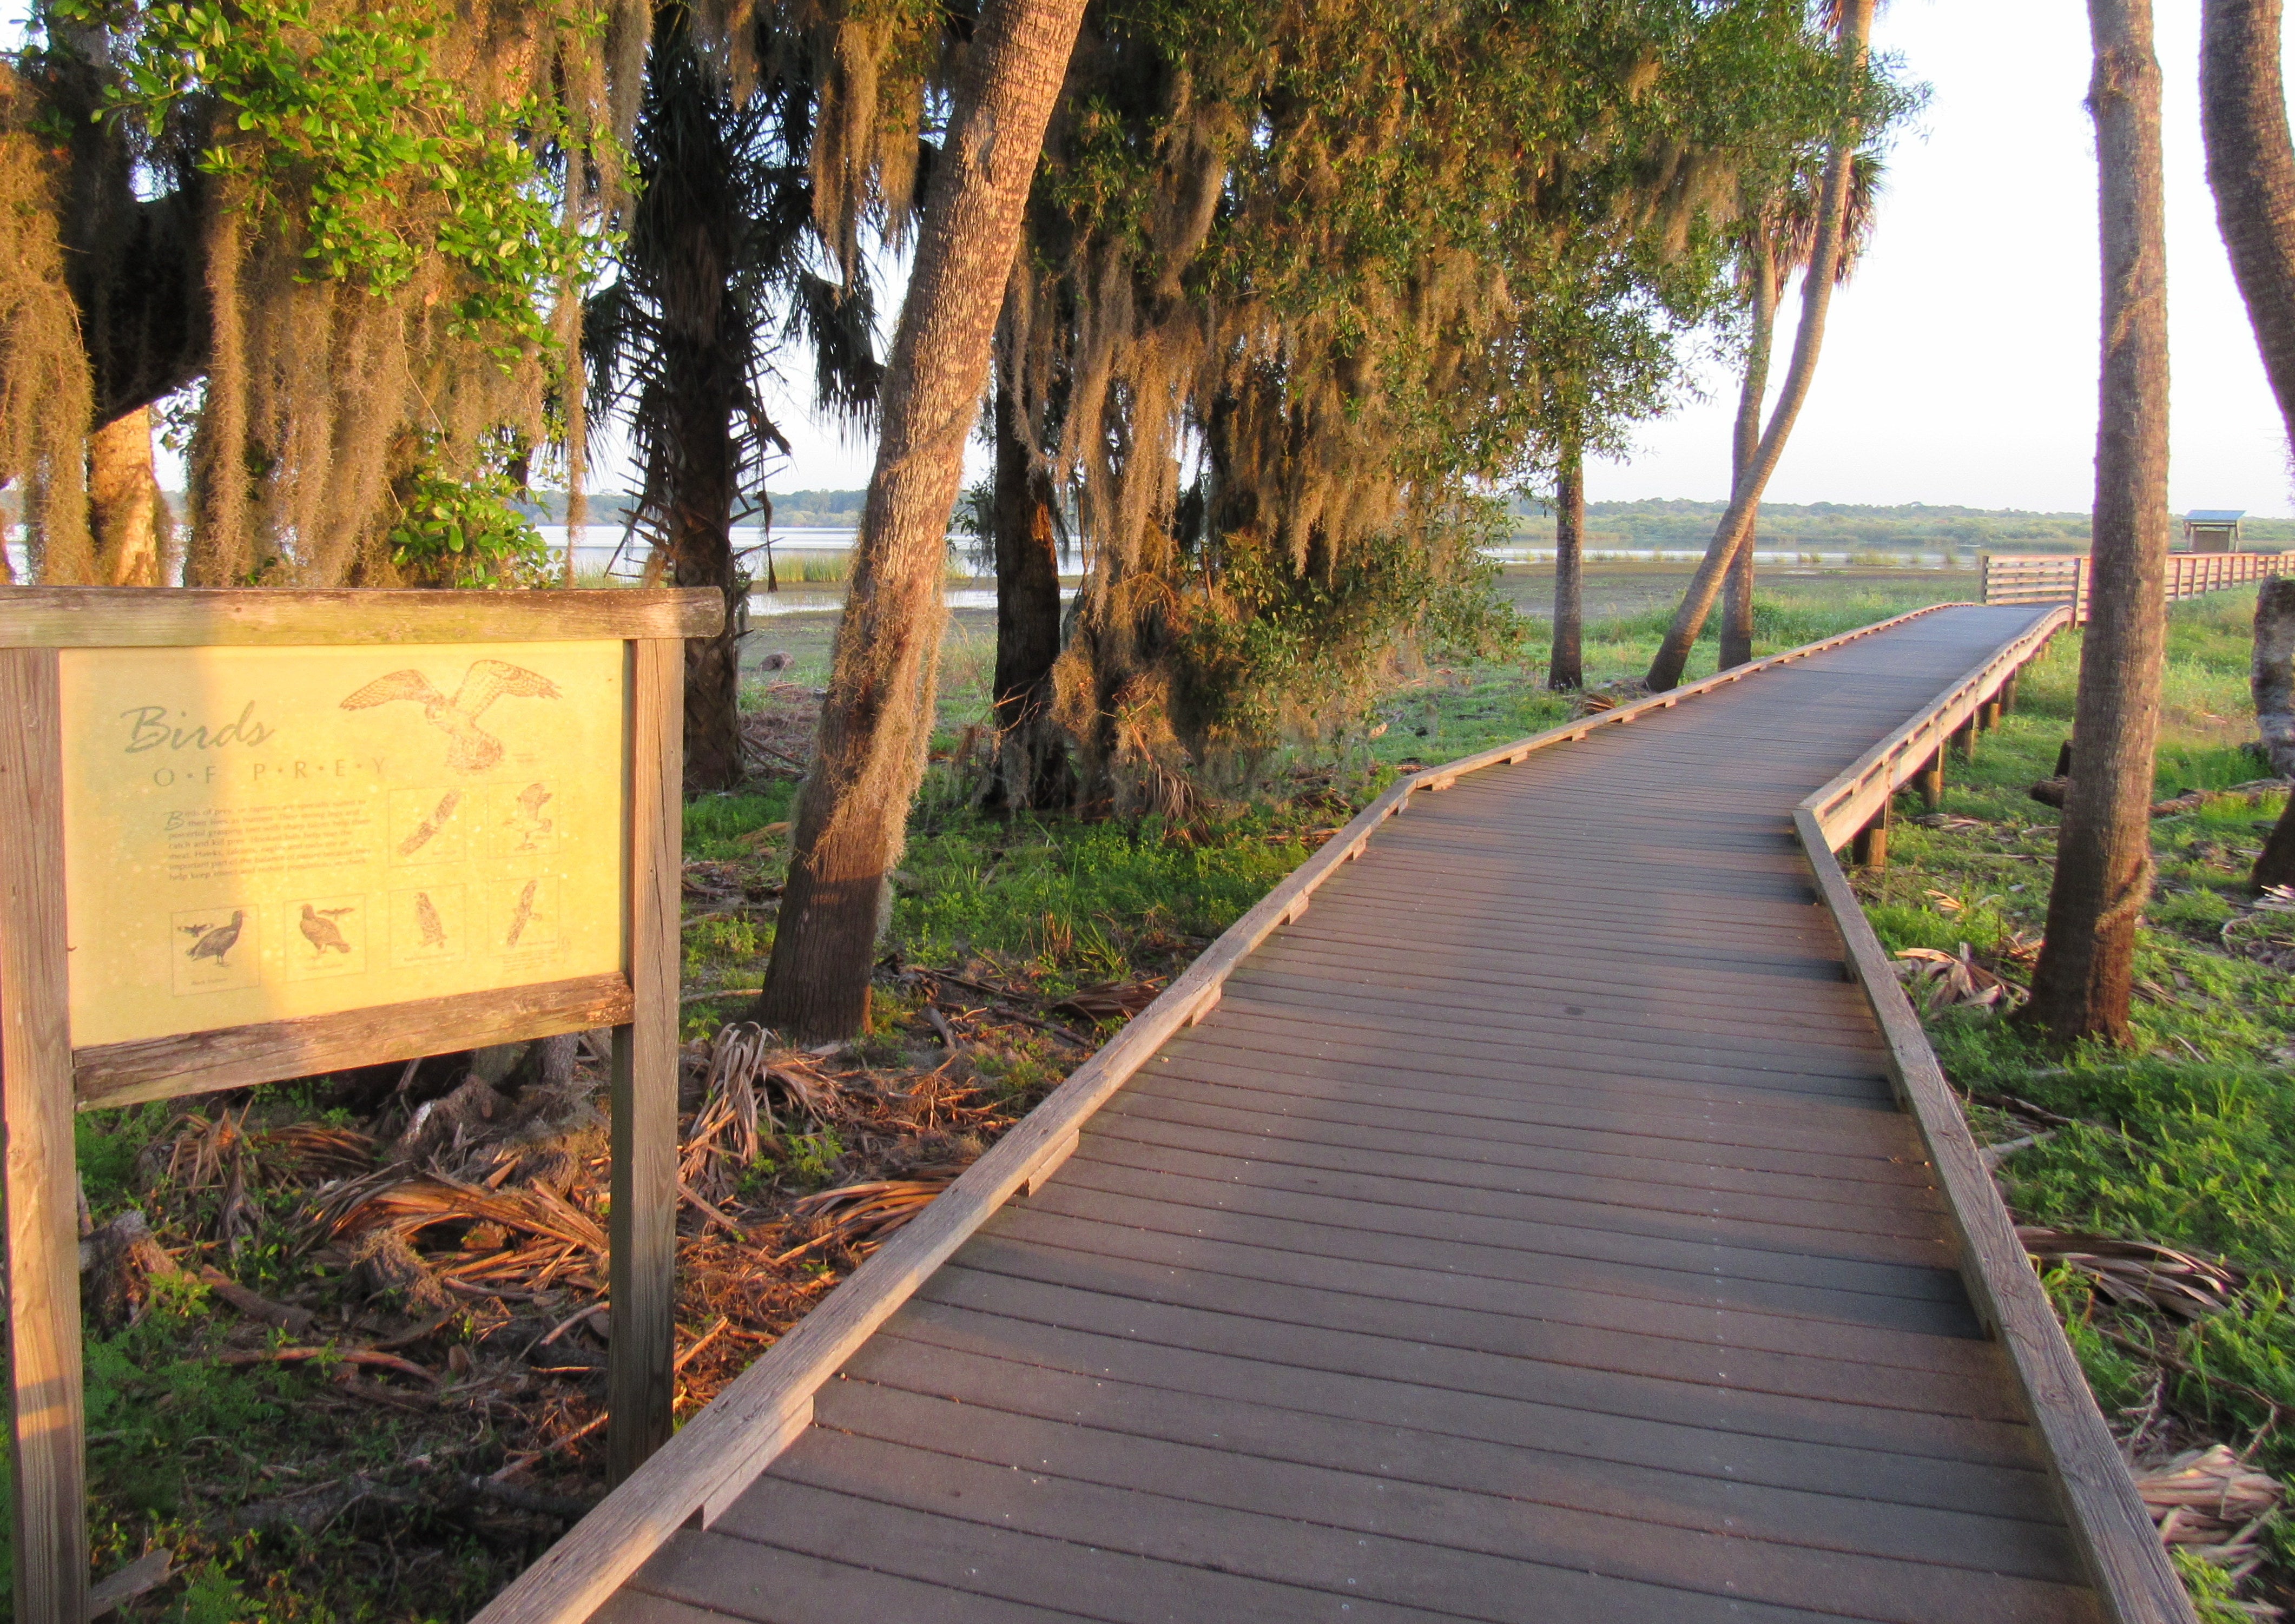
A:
[600,551]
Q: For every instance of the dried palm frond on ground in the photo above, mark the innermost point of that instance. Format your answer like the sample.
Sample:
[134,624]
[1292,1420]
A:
[2211,1502]
[865,1212]
[1938,980]
[2139,1273]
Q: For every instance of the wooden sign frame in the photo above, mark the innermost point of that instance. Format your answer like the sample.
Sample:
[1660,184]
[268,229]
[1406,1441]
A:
[44,1079]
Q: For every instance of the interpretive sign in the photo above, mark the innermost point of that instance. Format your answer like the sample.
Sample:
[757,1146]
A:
[270,833]
[252,835]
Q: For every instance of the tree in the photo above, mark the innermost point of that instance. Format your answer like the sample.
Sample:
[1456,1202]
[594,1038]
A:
[1608,357]
[1855,28]
[2251,170]
[347,227]
[723,247]
[1775,240]
[852,818]
[2083,980]
[1030,770]
[1566,667]
[1288,263]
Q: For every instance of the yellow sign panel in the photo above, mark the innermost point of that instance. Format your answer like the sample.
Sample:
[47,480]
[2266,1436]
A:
[255,834]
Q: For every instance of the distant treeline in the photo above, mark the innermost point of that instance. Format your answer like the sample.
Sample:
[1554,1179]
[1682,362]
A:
[792,510]
[1835,526]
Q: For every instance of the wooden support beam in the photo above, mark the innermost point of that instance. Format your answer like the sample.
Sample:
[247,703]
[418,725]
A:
[1964,736]
[47,1417]
[2008,691]
[640,1374]
[1988,714]
[1930,780]
[1870,849]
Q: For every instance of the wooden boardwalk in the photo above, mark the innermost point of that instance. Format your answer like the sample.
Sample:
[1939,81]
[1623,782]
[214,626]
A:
[1529,1234]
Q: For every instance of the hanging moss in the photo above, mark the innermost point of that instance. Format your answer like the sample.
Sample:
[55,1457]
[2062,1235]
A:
[1290,278]
[44,388]
[396,210]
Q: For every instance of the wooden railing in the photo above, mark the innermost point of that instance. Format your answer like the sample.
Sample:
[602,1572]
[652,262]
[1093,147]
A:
[2108,1524]
[2062,577]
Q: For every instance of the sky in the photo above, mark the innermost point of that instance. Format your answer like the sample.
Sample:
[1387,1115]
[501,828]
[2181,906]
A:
[1960,364]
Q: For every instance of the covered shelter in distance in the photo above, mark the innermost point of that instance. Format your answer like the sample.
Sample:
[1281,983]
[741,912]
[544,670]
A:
[2212,529]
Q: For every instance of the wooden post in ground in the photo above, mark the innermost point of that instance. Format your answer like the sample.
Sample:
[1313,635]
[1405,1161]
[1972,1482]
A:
[1930,780]
[2008,691]
[1870,849]
[1964,736]
[640,1374]
[47,1418]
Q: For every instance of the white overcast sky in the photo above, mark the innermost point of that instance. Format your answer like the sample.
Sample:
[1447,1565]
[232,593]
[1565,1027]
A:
[1960,364]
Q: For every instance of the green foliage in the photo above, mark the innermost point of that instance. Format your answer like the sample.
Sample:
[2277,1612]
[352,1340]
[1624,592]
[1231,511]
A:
[1275,650]
[351,130]
[467,532]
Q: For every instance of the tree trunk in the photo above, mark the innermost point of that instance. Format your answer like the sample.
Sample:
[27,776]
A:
[2251,170]
[1567,667]
[1736,526]
[878,718]
[1737,598]
[2081,986]
[2273,686]
[125,510]
[692,469]
[1030,769]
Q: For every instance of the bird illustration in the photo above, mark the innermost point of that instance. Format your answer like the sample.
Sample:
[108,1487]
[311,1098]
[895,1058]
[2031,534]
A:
[528,819]
[470,748]
[430,825]
[525,912]
[425,917]
[321,931]
[216,942]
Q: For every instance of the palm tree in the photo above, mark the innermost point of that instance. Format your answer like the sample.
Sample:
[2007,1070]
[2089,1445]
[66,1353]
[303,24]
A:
[879,715]
[724,252]
[2251,170]
[2085,974]
[1853,20]
[1775,242]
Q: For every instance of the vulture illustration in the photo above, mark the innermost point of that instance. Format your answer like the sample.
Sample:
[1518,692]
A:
[321,931]
[215,941]
[426,916]
[470,748]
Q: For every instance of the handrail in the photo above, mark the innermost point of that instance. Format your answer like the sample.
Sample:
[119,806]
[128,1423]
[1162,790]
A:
[721,1450]
[2110,1526]
[1849,801]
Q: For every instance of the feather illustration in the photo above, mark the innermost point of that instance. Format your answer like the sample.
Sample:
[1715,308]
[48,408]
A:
[470,748]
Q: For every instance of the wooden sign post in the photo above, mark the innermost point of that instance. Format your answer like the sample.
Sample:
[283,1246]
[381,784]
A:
[253,835]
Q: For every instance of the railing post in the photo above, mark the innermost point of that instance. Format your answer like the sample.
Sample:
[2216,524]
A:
[1930,780]
[1870,848]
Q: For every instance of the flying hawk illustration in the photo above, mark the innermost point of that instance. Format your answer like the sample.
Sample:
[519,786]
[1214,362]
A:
[470,747]
[216,942]
[426,916]
[525,912]
[436,821]
[321,931]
